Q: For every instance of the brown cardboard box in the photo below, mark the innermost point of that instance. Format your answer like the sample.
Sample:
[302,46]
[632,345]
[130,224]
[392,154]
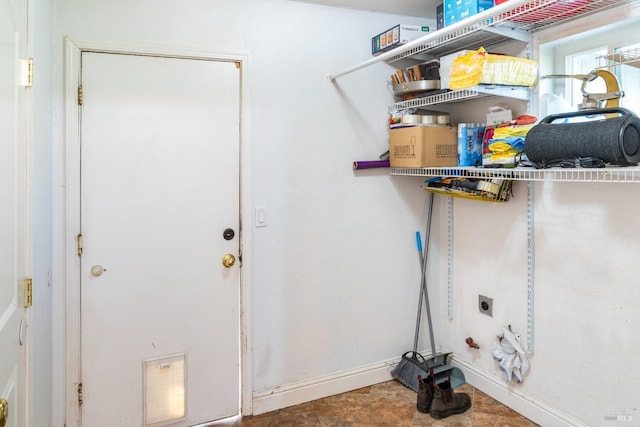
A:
[421,146]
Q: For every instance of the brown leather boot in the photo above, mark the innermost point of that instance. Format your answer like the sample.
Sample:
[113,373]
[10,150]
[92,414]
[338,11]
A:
[425,393]
[446,402]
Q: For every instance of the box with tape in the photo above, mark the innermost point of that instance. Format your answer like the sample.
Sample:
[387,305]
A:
[422,146]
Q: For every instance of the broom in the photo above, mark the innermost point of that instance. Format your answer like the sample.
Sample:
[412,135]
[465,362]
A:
[412,364]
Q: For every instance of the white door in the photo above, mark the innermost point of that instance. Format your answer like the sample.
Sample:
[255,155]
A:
[159,187]
[12,214]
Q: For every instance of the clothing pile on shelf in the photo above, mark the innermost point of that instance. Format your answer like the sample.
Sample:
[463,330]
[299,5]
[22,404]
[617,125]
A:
[504,143]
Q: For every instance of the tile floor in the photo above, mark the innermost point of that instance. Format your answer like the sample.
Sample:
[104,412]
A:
[389,404]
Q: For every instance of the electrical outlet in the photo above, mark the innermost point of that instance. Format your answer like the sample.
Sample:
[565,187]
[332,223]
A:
[485,305]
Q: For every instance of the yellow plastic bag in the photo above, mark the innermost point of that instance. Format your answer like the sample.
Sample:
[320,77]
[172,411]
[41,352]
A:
[466,70]
[479,67]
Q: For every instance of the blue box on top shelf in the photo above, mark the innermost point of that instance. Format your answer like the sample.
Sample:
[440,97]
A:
[457,10]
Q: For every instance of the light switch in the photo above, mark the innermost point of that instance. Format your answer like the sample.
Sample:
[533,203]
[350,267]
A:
[261,216]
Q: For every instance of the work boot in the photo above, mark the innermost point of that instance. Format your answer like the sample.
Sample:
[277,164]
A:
[446,402]
[425,393]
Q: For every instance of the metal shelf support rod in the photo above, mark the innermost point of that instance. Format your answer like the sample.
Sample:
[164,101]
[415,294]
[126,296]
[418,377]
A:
[531,254]
[448,30]
[450,257]
[513,34]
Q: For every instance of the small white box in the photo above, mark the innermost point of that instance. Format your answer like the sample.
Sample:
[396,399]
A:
[498,114]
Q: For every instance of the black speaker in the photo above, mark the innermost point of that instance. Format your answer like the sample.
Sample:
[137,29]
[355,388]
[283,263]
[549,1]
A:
[613,136]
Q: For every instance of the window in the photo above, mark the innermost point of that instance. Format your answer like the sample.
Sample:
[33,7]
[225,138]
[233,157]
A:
[629,77]
[585,51]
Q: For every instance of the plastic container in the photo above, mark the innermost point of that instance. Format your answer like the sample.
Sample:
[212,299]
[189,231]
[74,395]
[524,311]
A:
[470,143]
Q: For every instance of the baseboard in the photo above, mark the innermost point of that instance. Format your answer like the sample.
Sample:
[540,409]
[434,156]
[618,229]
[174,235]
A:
[341,382]
[537,411]
[318,388]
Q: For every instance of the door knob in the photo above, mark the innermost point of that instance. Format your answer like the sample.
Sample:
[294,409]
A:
[4,412]
[96,271]
[228,260]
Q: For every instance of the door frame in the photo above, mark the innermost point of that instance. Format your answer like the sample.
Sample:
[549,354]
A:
[70,313]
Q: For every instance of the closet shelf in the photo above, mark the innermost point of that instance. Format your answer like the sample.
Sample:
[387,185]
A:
[511,20]
[514,92]
[626,57]
[613,174]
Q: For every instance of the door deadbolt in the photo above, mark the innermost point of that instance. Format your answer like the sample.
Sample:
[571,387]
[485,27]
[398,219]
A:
[228,260]
[4,412]
[228,234]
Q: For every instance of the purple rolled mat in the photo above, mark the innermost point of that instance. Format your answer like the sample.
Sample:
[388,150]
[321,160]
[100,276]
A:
[370,164]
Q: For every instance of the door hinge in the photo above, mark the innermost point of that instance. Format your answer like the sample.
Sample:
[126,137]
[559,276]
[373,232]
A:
[80,95]
[26,72]
[80,242]
[28,292]
[79,390]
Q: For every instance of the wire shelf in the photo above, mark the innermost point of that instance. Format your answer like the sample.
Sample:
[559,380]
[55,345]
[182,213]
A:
[514,24]
[617,175]
[626,57]
[515,92]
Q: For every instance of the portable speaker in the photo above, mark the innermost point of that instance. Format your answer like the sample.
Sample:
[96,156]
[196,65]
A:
[614,138]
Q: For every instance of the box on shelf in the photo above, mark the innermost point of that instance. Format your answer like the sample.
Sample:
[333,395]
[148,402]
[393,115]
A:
[457,10]
[498,114]
[423,146]
[397,36]
[440,16]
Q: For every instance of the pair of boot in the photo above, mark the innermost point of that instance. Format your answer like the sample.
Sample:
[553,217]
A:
[439,400]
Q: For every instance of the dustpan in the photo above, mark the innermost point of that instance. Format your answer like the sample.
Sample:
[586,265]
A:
[444,372]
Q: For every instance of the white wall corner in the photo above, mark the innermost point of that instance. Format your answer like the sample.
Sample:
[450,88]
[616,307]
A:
[320,387]
[317,388]
[532,408]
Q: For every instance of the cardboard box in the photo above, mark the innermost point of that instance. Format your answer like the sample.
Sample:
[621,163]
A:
[422,146]
[397,36]
[457,10]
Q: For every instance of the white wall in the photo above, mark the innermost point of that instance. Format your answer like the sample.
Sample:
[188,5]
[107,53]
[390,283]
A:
[40,165]
[585,361]
[335,274]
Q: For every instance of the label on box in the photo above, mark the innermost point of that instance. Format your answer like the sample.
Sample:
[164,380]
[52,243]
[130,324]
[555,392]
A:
[397,36]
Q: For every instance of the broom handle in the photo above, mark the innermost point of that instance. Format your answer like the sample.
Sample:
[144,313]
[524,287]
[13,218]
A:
[424,275]
[423,284]
[417,333]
